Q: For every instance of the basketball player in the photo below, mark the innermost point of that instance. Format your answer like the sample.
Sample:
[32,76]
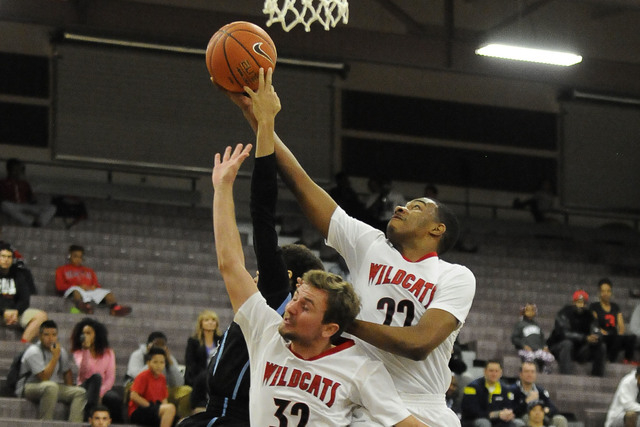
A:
[229,374]
[413,303]
[298,374]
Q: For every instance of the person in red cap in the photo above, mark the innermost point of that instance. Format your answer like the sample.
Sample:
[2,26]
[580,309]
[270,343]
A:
[576,337]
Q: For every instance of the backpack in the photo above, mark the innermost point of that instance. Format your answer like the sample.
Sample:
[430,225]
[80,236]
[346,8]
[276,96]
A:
[13,376]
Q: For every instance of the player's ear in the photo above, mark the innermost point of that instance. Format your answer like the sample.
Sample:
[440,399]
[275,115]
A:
[329,329]
[438,229]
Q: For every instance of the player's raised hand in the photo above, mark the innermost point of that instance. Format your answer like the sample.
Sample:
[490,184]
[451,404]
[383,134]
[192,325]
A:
[266,103]
[226,166]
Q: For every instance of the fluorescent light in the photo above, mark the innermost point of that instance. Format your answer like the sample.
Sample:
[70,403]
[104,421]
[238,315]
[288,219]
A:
[527,54]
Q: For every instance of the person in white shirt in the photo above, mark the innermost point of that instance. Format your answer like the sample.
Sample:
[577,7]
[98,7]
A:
[624,410]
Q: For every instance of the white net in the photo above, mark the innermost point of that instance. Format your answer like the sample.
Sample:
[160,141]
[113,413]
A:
[293,12]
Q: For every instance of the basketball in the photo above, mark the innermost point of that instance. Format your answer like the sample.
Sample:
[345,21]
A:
[235,54]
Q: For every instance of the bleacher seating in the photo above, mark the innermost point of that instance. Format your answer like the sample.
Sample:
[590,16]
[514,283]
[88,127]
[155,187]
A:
[161,261]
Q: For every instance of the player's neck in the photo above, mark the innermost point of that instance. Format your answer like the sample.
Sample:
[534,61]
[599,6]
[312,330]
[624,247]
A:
[311,350]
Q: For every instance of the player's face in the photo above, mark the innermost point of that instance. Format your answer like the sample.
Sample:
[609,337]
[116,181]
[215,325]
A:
[605,293]
[6,259]
[100,419]
[528,373]
[156,364]
[493,372]
[75,258]
[302,320]
[415,219]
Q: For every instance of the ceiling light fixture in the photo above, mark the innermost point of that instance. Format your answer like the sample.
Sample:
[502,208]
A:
[518,53]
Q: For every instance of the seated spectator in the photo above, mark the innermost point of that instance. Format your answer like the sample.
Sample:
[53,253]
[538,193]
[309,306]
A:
[148,399]
[535,414]
[576,337]
[46,377]
[96,366]
[179,393]
[611,324]
[344,195]
[528,338]
[540,203]
[488,401]
[624,410]
[81,284]
[382,202]
[526,392]
[200,349]
[16,287]
[100,417]
[18,201]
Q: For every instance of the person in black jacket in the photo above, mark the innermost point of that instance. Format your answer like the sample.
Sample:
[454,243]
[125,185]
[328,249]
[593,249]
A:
[527,391]
[576,337]
[16,285]
[488,401]
[278,267]
[201,347]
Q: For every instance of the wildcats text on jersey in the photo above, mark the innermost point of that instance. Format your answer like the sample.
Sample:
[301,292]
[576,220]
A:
[323,388]
[380,274]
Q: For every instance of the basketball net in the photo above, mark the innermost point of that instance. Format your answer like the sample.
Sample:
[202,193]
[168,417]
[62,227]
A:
[293,12]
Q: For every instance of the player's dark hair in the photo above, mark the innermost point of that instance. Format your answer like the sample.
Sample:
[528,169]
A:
[76,248]
[638,371]
[153,351]
[299,259]
[48,324]
[154,335]
[604,281]
[449,219]
[101,340]
[343,304]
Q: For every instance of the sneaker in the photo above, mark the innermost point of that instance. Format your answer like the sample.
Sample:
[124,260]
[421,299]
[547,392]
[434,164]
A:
[120,310]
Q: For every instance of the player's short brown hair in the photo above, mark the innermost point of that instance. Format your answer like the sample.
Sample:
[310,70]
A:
[343,304]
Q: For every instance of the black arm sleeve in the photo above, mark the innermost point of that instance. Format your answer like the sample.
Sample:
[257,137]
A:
[273,280]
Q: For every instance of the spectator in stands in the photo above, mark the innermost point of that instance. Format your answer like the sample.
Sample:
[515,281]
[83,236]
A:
[624,410]
[96,363]
[81,284]
[526,391]
[100,417]
[540,203]
[18,201]
[46,376]
[344,194]
[454,397]
[179,393]
[16,287]
[536,415]
[611,324]
[382,201]
[576,337]
[201,347]
[634,324]
[488,401]
[528,338]
[148,399]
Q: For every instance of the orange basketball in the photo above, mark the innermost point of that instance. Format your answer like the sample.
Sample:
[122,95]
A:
[235,54]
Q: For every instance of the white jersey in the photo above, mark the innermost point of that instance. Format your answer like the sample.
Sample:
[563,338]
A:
[624,400]
[397,292]
[323,391]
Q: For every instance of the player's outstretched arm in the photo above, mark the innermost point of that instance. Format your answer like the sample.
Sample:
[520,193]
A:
[265,106]
[414,342]
[239,283]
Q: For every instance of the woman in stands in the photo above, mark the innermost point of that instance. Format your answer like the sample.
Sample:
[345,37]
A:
[201,347]
[96,363]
